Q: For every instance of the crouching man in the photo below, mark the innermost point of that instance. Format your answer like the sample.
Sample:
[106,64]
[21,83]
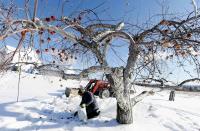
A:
[89,102]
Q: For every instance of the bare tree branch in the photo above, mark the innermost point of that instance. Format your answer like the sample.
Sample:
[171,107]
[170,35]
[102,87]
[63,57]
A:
[141,96]
[188,80]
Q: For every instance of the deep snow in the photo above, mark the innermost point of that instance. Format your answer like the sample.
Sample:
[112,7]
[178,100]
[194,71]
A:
[43,106]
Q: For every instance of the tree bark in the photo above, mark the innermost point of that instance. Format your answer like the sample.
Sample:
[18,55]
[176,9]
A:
[125,116]
[171,95]
[124,103]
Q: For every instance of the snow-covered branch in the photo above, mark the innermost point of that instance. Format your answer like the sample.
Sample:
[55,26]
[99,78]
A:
[195,7]
[188,80]
[141,96]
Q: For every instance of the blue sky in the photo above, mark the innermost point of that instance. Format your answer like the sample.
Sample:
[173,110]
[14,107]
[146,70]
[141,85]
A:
[132,11]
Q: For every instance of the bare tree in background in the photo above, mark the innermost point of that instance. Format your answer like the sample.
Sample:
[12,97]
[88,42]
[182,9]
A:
[81,37]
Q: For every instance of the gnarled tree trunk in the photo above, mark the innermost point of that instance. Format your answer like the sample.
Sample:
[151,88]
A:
[125,116]
[124,104]
[120,79]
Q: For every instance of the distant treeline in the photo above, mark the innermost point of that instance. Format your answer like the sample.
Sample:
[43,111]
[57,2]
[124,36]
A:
[181,88]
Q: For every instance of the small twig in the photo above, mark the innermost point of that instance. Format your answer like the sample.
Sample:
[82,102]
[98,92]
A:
[195,7]
[35,10]
[19,79]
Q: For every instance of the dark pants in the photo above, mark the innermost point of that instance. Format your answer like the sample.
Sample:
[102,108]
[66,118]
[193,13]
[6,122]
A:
[93,114]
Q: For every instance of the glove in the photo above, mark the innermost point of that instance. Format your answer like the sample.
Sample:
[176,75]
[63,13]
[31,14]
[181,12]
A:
[76,113]
[82,105]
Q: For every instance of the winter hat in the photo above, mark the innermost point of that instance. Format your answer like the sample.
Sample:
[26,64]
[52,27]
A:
[81,90]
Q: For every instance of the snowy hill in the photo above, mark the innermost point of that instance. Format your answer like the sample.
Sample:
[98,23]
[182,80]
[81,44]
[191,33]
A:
[43,106]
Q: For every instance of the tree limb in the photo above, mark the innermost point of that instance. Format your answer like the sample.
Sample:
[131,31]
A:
[141,96]
[188,80]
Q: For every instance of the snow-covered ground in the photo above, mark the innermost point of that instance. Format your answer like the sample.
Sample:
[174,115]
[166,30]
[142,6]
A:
[43,106]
